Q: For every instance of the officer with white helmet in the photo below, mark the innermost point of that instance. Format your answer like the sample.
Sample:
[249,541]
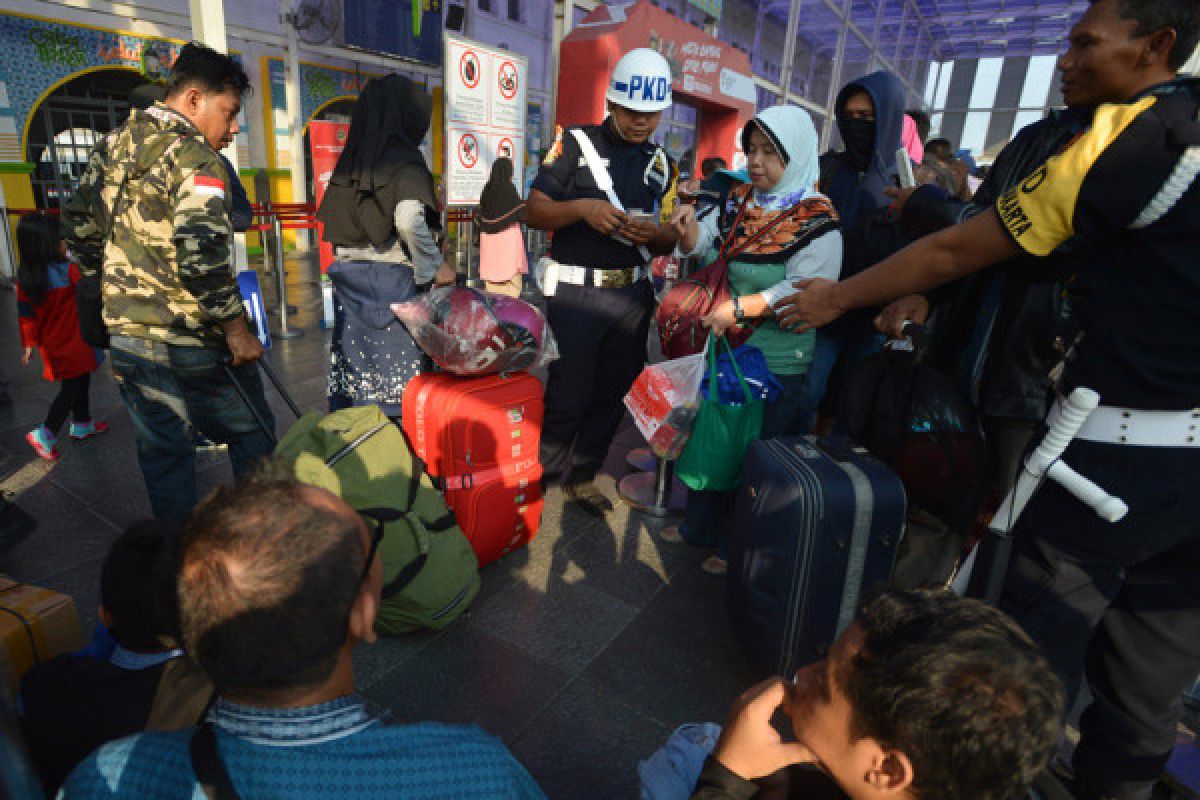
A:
[600,190]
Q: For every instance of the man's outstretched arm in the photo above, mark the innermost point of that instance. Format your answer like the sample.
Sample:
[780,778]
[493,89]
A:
[945,256]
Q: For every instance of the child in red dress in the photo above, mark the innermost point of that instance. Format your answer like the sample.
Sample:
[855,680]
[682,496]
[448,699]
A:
[49,322]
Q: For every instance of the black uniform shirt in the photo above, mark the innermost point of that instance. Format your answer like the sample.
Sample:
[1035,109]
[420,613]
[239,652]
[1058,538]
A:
[1138,300]
[641,173]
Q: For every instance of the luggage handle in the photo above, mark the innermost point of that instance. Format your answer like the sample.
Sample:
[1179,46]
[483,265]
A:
[915,333]
[227,364]
[837,446]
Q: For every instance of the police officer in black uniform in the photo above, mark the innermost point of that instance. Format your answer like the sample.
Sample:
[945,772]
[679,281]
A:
[1117,602]
[595,277]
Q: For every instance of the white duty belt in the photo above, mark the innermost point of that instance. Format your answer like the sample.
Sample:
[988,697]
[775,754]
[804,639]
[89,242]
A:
[550,273]
[1137,427]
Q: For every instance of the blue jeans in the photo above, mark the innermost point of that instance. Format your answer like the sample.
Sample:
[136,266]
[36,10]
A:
[171,391]
[707,511]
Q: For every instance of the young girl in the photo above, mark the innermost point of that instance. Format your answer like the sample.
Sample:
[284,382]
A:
[48,319]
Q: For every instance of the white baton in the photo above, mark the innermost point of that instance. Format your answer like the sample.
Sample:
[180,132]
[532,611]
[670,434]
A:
[1044,462]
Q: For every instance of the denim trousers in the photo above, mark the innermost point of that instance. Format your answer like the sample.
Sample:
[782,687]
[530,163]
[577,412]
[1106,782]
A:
[707,511]
[172,392]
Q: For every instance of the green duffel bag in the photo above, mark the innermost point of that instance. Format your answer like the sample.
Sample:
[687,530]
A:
[430,574]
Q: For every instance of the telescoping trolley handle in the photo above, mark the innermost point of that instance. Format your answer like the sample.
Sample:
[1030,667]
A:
[269,430]
[1046,462]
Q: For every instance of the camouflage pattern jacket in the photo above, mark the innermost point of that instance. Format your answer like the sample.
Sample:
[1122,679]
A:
[166,263]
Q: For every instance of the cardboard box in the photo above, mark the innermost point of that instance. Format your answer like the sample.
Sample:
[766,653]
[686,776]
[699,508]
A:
[35,624]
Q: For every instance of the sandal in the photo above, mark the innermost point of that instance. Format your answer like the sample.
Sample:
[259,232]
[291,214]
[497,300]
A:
[672,535]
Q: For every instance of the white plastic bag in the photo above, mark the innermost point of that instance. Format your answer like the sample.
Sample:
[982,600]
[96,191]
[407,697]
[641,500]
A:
[664,400]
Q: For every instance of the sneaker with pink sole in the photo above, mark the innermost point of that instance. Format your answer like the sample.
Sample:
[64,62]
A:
[82,430]
[42,441]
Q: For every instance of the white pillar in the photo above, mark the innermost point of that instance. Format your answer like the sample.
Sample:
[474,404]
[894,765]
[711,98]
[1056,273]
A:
[561,26]
[789,50]
[208,27]
[8,261]
[295,118]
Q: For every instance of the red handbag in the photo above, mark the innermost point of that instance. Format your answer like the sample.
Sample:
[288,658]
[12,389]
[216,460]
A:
[680,315]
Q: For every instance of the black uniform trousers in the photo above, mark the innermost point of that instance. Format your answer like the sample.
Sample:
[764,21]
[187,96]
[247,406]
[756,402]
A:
[1117,602]
[601,335]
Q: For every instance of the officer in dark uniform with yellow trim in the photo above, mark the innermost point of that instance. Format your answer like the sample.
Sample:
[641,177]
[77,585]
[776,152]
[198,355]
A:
[596,276]
[1120,601]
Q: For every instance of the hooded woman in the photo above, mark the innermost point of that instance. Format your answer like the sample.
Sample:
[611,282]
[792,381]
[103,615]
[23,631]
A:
[502,259]
[774,230]
[870,118]
[377,213]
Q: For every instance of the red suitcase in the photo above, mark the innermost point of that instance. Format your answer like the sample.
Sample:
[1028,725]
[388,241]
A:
[480,437]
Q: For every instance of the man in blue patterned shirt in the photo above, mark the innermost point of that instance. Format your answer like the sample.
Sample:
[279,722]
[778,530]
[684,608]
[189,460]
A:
[278,582]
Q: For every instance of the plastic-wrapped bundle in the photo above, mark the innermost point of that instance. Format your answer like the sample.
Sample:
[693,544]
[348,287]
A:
[469,332]
[663,401]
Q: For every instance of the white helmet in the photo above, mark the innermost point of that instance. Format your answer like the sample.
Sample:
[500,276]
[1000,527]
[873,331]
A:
[641,81]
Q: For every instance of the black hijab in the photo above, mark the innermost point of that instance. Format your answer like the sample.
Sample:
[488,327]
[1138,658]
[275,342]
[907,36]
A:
[499,205]
[381,165]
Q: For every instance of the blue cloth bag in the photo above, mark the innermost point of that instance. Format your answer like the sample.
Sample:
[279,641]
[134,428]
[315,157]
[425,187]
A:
[753,364]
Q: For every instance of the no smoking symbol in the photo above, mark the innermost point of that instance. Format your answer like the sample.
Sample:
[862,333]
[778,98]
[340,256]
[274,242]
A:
[505,150]
[508,80]
[468,151]
[468,68]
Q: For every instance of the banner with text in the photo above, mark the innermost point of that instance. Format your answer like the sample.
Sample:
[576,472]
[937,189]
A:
[327,140]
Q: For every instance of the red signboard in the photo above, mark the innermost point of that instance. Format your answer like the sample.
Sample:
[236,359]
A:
[707,73]
[327,140]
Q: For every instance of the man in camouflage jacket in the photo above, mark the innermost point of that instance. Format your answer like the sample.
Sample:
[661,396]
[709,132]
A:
[151,218]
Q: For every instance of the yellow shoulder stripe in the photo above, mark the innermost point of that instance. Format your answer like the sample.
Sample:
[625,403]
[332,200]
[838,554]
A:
[1040,213]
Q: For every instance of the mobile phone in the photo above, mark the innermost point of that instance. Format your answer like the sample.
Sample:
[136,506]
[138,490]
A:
[643,216]
[904,170]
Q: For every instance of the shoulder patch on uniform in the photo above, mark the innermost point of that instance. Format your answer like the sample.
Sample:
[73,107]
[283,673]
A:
[555,148]
[658,172]
[207,185]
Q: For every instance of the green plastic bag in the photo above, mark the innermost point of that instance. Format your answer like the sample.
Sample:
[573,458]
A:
[713,457]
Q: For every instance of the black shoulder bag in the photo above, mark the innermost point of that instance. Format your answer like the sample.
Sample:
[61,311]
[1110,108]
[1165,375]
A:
[208,766]
[89,291]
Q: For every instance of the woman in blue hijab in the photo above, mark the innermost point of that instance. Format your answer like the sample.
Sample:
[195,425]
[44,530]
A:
[779,229]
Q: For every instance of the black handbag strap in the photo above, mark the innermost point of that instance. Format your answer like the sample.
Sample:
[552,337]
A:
[208,766]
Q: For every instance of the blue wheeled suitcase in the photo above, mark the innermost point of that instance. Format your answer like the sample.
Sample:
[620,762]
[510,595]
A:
[816,523]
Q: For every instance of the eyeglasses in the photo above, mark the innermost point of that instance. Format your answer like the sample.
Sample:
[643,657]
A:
[376,528]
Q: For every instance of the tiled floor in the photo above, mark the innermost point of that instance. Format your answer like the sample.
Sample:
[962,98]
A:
[583,651]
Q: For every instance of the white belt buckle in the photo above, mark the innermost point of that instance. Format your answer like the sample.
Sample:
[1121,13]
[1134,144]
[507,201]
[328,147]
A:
[548,269]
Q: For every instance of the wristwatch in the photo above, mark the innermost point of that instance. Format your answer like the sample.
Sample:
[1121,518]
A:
[739,314]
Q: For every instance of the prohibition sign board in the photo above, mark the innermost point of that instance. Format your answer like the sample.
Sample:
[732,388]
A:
[506,76]
[468,150]
[485,115]
[469,69]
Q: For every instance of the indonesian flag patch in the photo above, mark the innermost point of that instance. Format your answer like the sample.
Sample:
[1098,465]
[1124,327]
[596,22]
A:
[213,187]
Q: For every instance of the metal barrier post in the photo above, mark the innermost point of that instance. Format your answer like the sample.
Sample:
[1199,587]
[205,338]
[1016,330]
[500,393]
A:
[268,246]
[8,260]
[476,282]
[458,245]
[655,493]
[285,332]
